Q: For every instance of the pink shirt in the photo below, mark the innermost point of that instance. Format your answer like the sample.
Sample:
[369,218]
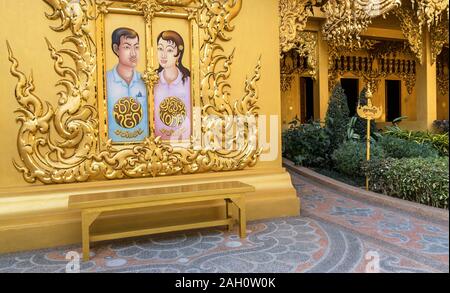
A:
[180,127]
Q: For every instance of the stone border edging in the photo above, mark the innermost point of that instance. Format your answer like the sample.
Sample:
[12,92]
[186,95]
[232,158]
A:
[411,207]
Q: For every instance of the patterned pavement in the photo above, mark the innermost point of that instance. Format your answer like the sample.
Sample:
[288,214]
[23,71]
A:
[335,233]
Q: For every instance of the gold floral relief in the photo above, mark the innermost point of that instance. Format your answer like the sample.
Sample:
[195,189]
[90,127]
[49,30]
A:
[61,143]
[430,12]
[293,17]
[439,39]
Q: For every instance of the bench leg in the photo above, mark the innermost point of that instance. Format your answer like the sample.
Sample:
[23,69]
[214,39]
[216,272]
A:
[229,214]
[240,203]
[242,221]
[87,218]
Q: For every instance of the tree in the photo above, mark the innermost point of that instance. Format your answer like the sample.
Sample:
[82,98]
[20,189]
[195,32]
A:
[337,117]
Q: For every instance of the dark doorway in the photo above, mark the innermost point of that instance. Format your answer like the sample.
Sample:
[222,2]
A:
[306,99]
[393,99]
[351,89]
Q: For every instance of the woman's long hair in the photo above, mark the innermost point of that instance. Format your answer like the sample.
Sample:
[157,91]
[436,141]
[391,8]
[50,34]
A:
[172,36]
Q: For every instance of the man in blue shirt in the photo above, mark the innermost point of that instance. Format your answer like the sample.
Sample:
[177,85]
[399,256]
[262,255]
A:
[126,91]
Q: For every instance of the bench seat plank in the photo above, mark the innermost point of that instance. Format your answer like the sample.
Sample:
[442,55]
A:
[158,230]
[83,201]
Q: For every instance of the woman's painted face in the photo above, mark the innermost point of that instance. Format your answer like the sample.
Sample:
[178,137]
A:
[167,50]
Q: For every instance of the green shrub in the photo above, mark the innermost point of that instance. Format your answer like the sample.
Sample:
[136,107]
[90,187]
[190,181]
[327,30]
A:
[440,126]
[361,127]
[307,144]
[398,148]
[337,117]
[438,141]
[423,180]
[350,157]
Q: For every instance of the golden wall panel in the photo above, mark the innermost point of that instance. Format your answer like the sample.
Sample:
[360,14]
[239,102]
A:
[35,216]
[251,44]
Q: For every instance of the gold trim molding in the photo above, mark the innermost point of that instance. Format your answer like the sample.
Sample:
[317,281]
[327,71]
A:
[60,143]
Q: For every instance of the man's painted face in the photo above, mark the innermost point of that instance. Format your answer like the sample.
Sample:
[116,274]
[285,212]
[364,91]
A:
[167,50]
[128,51]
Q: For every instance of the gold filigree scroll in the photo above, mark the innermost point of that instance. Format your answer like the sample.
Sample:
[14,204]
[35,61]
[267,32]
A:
[148,8]
[294,41]
[439,39]
[60,143]
[430,12]
[302,60]
[293,17]
[411,30]
[347,19]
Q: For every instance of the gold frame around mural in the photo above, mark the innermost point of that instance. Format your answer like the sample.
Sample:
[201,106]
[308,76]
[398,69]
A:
[61,144]
[150,76]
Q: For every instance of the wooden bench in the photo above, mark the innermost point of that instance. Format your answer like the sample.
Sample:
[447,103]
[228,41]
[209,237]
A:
[92,205]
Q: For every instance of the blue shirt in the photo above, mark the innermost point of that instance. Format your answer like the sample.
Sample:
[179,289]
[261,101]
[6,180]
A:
[116,89]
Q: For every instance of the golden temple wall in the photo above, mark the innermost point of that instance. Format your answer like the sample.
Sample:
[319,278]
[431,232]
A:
[36,215]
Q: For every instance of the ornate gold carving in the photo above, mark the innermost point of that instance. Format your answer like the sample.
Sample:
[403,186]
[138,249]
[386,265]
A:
[103,6]
[302,60]
[439,38]
[149,8]
[378,61]
[286,81]
[442,72]
[411,30]
[430,12]
[60,144]
[369,111]
[347,19]
[293,17]
[176,2]
[172,111]
[308,49]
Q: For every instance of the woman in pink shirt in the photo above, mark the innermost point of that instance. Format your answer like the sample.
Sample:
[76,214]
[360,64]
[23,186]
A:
[173,91]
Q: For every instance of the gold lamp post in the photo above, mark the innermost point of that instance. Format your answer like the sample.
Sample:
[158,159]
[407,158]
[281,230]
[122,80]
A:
[368,112]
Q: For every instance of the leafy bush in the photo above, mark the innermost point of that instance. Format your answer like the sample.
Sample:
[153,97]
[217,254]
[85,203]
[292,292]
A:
[337,117]
[423,180]
[350,157]
[307,144]
[361,127]
[438,141]
[440,126]
[398,148]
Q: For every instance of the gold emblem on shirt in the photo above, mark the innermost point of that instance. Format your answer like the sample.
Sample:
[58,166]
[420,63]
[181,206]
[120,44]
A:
[172,111]
[128,112]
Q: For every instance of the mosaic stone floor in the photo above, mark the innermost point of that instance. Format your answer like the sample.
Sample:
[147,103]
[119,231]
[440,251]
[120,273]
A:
[335,233]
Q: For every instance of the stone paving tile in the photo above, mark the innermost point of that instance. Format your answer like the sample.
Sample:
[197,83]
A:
[335,233]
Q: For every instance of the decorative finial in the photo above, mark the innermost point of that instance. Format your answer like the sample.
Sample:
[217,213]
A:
[369,91]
